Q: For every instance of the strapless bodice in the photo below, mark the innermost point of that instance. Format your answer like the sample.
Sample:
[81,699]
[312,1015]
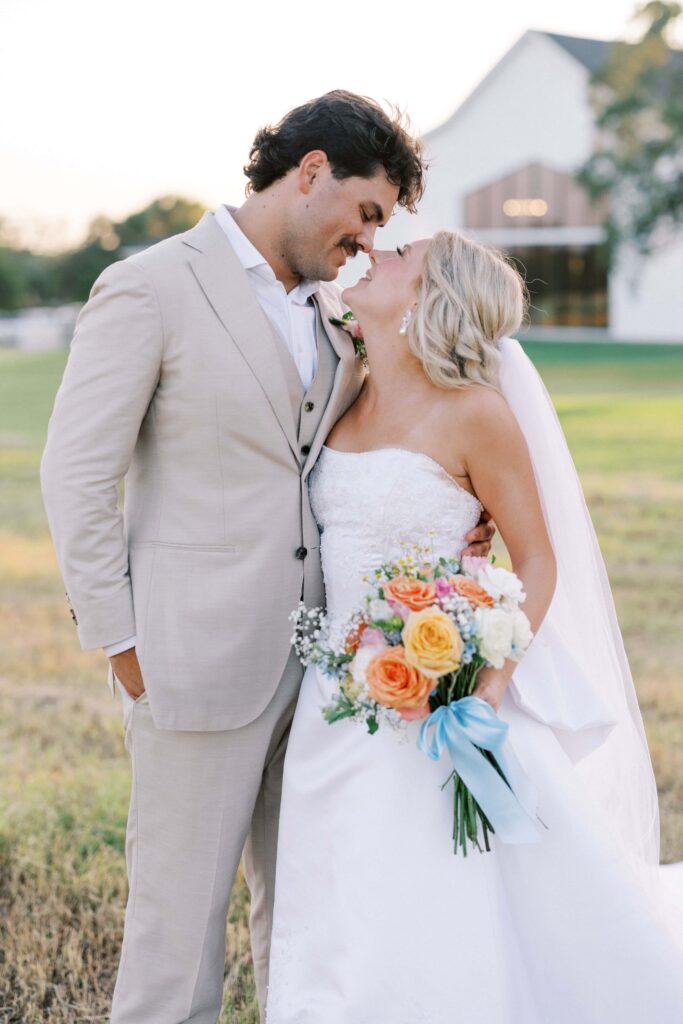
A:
[367,503]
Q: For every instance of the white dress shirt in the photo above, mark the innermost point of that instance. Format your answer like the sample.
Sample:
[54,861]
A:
[292,315]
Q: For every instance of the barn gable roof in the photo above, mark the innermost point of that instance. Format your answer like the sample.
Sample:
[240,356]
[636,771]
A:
[591,53]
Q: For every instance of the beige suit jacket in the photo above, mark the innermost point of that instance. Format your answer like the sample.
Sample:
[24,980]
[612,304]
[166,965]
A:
[176,381]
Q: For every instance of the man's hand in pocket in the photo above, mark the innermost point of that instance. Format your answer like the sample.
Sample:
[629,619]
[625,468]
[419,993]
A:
[127,670]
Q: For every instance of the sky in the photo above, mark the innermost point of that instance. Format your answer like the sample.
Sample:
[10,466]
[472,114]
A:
[108,105]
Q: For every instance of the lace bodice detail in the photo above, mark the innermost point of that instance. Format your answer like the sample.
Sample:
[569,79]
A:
[366,503]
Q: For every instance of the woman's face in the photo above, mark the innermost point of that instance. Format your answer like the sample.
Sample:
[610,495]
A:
[390,286]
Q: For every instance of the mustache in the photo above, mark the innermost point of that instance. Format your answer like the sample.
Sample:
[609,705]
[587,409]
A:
[350,246]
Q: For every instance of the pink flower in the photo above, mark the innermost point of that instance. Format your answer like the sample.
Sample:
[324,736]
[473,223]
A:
[471,564]
[443,587]
[372,637]
[398,607]
[356,331]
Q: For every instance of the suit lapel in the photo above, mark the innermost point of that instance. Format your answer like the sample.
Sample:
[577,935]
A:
[347,379]
[224,282]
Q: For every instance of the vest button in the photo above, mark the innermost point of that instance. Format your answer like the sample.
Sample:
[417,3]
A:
[309,407]
[305,449]
[300,553]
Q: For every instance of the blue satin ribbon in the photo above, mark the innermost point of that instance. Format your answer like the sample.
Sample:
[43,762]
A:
[461,727]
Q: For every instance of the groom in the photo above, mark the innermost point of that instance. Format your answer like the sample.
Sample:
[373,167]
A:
[206,372]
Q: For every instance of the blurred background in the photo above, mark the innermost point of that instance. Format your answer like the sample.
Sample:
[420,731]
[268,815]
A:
[555,136]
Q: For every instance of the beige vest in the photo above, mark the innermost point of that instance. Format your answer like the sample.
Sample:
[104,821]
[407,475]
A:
[307,410]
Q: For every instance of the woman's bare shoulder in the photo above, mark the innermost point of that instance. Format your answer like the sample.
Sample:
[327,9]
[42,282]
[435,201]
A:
[478,406]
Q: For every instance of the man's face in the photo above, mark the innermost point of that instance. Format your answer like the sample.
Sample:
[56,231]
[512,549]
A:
[334,219]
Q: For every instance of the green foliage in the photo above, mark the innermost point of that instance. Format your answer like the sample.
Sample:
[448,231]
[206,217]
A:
[11,282]
[161,219]
[343,708]
[31,279]
[637,158]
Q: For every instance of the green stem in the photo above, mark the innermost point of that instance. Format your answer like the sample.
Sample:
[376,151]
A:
[456,804]
[485,832]
[472,820]
[463,820]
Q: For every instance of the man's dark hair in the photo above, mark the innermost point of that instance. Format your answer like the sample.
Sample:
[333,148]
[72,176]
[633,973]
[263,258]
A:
[355,133]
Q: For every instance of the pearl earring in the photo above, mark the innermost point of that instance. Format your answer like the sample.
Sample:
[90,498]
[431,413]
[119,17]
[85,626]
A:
[408,316]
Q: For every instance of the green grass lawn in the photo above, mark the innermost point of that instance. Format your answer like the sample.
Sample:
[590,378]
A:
[65,774]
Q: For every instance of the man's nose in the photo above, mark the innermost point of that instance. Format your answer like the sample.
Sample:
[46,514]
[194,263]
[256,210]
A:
[366,238]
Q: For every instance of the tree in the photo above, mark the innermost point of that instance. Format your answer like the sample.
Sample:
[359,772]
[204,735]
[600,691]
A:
[28,278]
[108,241]
[637,158]
[11,281]
[163,217]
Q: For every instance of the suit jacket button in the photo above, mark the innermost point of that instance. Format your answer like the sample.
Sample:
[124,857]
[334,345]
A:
[305,449]
[309,407]
[301,553]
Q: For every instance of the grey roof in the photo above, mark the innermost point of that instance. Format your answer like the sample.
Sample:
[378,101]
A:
[593,53]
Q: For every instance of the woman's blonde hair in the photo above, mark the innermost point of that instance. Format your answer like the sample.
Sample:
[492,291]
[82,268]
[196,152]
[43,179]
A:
[470,297]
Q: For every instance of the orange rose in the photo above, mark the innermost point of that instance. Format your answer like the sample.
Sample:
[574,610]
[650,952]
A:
[414,714]
[414,594]
[476,595]
[395,683]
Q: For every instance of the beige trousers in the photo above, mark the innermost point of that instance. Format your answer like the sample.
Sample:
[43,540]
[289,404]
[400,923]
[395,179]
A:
[199,799]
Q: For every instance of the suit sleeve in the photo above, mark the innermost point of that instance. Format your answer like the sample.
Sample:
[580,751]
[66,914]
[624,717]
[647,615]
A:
[111,374]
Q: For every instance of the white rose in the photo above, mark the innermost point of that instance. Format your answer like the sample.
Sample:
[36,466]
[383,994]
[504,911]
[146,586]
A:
[521,633]
[501,584]
[495,634]
[363,656]
[380,611]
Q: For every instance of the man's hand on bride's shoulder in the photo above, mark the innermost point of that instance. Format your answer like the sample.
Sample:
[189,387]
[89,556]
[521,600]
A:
[479,539]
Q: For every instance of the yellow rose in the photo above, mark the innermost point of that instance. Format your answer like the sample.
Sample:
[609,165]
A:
[432,642]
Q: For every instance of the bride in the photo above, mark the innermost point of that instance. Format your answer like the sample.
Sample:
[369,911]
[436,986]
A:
[376,921]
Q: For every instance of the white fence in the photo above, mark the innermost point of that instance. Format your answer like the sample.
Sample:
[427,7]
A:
[39,330]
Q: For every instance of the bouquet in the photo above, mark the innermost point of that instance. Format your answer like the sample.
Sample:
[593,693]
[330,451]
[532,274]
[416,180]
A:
[413,651]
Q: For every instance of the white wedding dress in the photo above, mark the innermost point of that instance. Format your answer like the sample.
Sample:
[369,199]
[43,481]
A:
[376,920]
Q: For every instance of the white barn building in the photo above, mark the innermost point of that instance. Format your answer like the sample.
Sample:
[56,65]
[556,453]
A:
[501,169]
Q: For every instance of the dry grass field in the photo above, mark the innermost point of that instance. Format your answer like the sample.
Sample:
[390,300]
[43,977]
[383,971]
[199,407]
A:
[64,773]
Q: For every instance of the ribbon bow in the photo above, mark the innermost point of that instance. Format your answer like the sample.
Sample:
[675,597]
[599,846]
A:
[461,727]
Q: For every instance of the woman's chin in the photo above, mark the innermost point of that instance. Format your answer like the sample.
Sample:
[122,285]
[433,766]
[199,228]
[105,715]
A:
[353,288]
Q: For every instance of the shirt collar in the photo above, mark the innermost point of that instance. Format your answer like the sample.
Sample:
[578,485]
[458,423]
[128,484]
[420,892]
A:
[252,259]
